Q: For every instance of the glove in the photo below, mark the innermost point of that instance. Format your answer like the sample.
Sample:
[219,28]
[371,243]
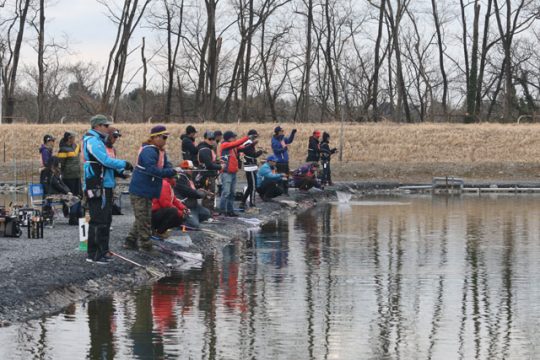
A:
[293,131]
[128,166]
[178,170]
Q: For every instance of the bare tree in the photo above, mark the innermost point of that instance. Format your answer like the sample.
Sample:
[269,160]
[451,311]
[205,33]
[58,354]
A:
[126,21]
[144,84]
[394,18]
[10,54]
[514,21]
[441,48]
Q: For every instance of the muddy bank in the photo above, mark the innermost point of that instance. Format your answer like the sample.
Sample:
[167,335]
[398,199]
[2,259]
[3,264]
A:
[43,276]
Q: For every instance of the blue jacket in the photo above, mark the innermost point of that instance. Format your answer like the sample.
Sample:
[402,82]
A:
[265,175]
[147,176]
[281,152]
[96,160]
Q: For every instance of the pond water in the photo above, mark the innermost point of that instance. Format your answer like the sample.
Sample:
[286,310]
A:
[393,278]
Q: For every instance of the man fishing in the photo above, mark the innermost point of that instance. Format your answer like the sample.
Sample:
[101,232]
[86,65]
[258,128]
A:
[98,185]
[152,167]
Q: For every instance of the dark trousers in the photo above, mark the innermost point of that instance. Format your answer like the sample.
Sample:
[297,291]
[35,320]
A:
[283,168]
[326,177]
[305,183]
[270,190]
[75,212]
[74,186]
[165,219]
[251,177]
[100,225]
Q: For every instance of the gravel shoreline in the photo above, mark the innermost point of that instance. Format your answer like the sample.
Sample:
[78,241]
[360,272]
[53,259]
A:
[39,277]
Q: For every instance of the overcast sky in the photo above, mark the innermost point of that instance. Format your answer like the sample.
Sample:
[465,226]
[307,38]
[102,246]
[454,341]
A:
[90,32]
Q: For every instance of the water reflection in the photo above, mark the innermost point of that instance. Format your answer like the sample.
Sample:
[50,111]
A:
[439,278]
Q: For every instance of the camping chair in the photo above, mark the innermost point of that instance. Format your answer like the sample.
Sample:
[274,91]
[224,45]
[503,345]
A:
[38,199]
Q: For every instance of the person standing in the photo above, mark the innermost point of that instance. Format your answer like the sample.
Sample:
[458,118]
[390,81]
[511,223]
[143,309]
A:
[280,147]
[114,135]
[326,154]
[46,150]
[314,147]
[189,149]
[98,185]
[250,167]
[70,162]
[219,180]
[210,167]
[146,183]
[229,153]
[70,165]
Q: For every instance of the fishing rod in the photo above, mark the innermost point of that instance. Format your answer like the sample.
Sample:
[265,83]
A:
[182,255]
[151,270]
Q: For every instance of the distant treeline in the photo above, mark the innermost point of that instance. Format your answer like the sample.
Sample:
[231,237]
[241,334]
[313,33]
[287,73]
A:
[282,60]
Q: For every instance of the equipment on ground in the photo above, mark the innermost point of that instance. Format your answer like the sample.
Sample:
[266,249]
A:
[35,226]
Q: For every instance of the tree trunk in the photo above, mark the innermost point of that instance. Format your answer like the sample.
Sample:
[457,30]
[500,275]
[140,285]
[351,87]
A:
[483,59]
[145,72]
[377,64]
[402,91]
[473,74]
[441,58]
[11,77]
[307,66]
[328,55]
[41,65]
[247,63]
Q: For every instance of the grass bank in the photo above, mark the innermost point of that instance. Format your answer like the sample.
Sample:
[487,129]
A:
[370,151]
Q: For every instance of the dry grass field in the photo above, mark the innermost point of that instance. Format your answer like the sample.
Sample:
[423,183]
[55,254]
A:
[370,151]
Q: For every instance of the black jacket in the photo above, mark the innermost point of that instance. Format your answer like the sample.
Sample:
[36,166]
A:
[184,191]
[326,152]
[52,183]
[206,158]
[314,150]
[251,155]
[189,150]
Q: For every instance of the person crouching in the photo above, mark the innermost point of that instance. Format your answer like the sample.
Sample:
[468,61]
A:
[270,183]
[185,189]
[305,177]
[167,211]
[146,183]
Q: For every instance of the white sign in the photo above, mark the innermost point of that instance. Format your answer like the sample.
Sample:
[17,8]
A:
[83,230]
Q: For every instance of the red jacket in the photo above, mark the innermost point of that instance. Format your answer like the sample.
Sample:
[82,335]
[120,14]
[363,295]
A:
[229,153]
[167,199]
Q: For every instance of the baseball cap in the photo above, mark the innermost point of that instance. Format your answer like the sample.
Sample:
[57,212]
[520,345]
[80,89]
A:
[278,129]
[159,130]
[48,138]
[272,158]
[99,120]
[228,135]
[186,164]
